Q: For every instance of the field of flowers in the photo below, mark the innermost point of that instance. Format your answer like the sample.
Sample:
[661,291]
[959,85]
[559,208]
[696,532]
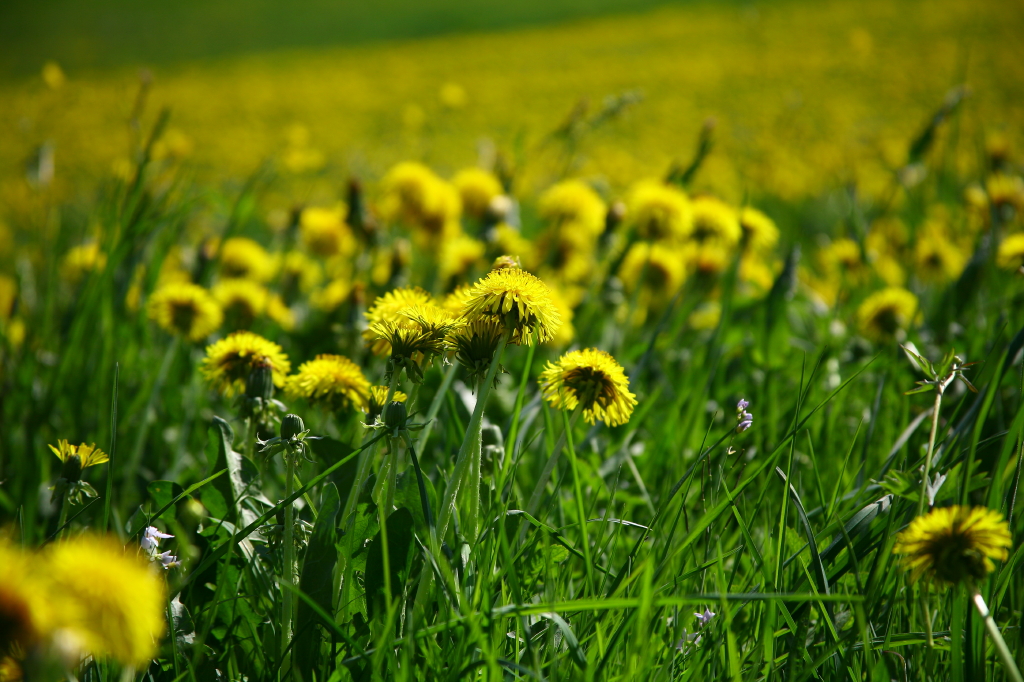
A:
[412,362]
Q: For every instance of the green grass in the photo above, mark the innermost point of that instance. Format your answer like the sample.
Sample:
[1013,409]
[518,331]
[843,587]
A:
[785,531]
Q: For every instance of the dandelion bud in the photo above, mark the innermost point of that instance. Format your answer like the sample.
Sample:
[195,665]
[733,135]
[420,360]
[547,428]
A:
[395,415]
[291,426]
[260,383]
[71,471]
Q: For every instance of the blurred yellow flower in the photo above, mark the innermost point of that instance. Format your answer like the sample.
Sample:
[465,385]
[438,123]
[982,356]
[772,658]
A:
[759,231]
[324,232]
[571,206]
[113,602]
[509,240]
[8,295]
[241,257]
[565,333]
[715,223]
[1011,252]
[333,381]
[229,361]
[936,258]
[887,313]
[332,296]
[519,301]
[186,309]
[455,302]
[477,188]
[453,96]
[593,380]
[81,260]
[951,545]
[299,272]
[705,316]
[53,75]
[659,211]
[243,300]
[26,607]
[415,195]
[458,255]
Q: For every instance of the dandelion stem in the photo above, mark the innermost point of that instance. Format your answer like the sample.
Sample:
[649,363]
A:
[62,521]
[578,494]
[925,480]
[465,451]
[538,491]
[288,569]
[1012,672]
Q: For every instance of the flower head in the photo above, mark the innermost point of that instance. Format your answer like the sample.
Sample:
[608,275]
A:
[759,231]
[715,222]
[459,254]
[659,211]
[229,361]
[886,313]
[25,609]
[572,205]
[1011,252]
[520,302]
[112,602]
[590,378]
[937,258]
[88,455]
[474,345]
[324,232]
[416,337]
[243,300]
[952,544]
[81,260]
[243,257]
[186,309]
[378,399]
[477,188]
[330,380]
[387,308]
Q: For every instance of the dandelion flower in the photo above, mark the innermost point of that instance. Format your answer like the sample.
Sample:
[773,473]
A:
[759,231]
[386,309]
[330,380]
[88,455]
[112,602]
[332,296]
[886,313]
[243,300]
[377,401]
[1011,252]
[952,544]
[244,258]
[299,272]
[455,302]
[566,332]
[843,259]
[416,336]
[592,379]
[186,309]
[25,607]
[1006,193]
[936,258]
[519,301]
[415,195]
[509,240]
[323,231]
[229,361]
[572,205]
[715,222]
[81,260]
[657,267]
[477,188]
[460,254]
[474,345]
[659,211]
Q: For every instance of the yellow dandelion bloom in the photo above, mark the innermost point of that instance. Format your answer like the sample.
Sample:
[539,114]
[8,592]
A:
[416,336]
[299,272]
[243,300]
[509,240]
[592,379]
[952,544]
[659,267]
[241,257]
[573,205]
[280,313]
[887,236]
[332,296]
[520,302]
[474,345]
[715,222]
[659,211]
[1005,192]
[229,361]
[477,188]
[706,316]
[323,231]
[333,381]
[89,455]
[375,405]
[113,602]
[566,332]
[386,309]
[186,309]
[759,231]
[81,260]
[887,313]
[1011,252]
[53,75]
[415,195]
[460,254]
[936,258]
[757,274]
[843,259]
[26,609]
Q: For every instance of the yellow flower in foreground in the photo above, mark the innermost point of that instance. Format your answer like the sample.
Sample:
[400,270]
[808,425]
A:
[520,302]
[26,614]
[112,602]
[330,380]
[386,309]
[590,378]
[953,544]
[415,337]
[185,309]
[886,313]
[1011,252]
[89,455]
[229,361]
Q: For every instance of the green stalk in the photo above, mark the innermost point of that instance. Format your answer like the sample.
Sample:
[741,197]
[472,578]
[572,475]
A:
[465,451]
[538,491]
[578,494]
[931,449]
[392,480]
[289,560]
[63,516]
[1012,672]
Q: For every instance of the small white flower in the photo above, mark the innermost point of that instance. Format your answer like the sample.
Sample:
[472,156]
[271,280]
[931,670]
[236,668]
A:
[152,537]
[168,560]
[704,618]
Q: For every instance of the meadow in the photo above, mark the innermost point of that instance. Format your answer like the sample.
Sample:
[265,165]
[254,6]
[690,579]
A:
[678,345]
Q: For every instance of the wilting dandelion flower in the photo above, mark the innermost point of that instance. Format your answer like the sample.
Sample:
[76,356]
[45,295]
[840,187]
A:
[378,399]
[1011,252]
[477,188]
[886,313]
[520,302]
[333,381]
[111,601]
[229,361]
[186,309]
[715,222]
[952,544]
[659,211]
[242,257]
[592,379]
[386,309]
[416,337]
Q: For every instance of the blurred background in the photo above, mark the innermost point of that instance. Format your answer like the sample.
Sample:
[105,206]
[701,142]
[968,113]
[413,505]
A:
[802,95]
